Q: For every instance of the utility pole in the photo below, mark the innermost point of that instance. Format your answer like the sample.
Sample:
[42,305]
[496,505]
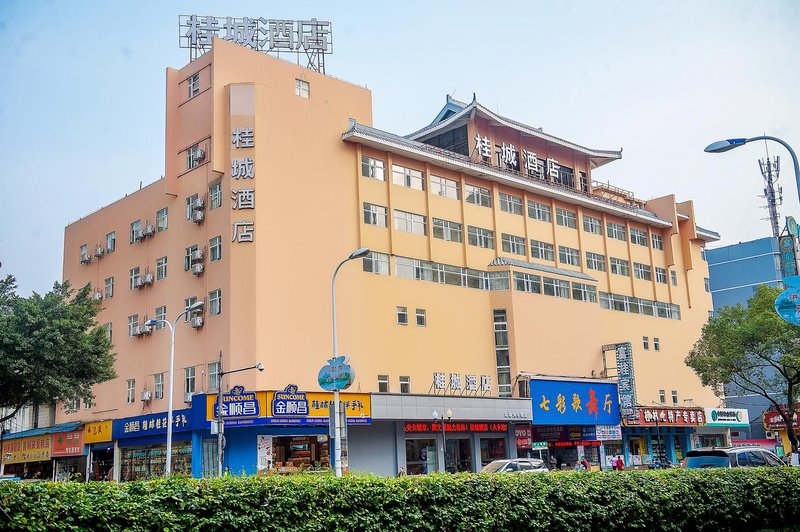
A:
[770,169]
[219,416]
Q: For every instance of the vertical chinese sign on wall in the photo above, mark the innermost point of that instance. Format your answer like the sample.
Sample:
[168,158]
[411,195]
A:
[626,380]
[242,172]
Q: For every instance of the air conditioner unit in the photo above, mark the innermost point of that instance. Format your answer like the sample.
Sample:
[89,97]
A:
[145,329]
[197,255]
[138,234]
[199,203]
[138,282]
[770,435]
[97,296]
[137,330]
[197,269]
[187,398]
[147,395]
[198,216]
[85,258]
[148,278]
[201,155]
[99,251]
[196,321]
[149,230]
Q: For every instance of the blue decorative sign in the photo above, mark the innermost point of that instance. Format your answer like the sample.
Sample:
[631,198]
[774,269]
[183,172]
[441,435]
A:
[788,255]
[336,375]
[787,304]
[239,404]
[791,226]
[150,424]
[290,403]
[559,402]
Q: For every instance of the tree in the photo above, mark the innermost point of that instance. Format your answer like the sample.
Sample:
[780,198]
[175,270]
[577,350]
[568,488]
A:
[752,349]
[51,347]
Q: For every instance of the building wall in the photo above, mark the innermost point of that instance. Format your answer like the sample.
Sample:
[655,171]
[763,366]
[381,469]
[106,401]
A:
[368,446]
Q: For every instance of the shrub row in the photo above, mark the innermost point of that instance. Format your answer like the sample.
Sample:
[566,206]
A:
[725,499]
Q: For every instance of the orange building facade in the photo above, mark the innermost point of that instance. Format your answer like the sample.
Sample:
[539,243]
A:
[495,258]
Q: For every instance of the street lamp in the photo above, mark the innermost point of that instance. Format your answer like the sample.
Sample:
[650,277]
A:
[220,422]
[337,423]
[725,145]
[194,307]
[448,415]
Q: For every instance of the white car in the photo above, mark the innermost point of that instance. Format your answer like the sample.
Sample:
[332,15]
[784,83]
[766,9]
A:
[515,465]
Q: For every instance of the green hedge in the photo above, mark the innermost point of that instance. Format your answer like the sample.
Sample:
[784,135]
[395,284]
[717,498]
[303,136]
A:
[724,499]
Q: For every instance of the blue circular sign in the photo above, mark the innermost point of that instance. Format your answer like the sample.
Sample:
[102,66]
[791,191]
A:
[336,375]
[787,305]
[791,225]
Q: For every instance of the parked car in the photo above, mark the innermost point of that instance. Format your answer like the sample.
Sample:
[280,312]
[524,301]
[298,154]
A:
[515,465]
[731,457]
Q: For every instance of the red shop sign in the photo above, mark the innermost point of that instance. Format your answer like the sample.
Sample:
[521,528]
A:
[475,426]
[668,417]
[67,443]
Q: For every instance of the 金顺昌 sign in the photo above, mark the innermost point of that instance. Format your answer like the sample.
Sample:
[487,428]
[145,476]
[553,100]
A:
[149,424]
[358,407]
[239,407]
[557,402]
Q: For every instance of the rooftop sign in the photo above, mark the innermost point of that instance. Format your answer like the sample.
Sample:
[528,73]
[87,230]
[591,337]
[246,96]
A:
[310,37]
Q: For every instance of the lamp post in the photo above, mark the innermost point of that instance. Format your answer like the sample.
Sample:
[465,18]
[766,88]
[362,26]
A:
[220,422]
[729,144]
[448,415]
[337,422]
[194,307]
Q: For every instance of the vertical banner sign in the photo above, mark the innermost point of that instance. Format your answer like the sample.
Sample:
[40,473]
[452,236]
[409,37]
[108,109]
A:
[264,452]
[788,256]
[242,172]
[627,381]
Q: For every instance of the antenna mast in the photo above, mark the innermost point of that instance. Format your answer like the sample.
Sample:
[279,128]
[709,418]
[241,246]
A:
[770,168]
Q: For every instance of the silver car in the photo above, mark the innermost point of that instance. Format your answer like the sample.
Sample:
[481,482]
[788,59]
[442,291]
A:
[515,465]
[730,457]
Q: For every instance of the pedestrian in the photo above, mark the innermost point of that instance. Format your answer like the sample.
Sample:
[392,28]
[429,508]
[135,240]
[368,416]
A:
[558,462]
[620,464]
[585,463]
[227,471]
[401,473]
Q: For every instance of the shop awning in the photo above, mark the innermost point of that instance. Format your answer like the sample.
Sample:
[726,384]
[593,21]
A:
[63,427]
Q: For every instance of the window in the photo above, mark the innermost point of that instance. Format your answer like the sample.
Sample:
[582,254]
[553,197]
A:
[673,277]
[422,319]
[478,196]
[595,261]
[707,284]
[642,271]
[133,325]
[675,397]
[513,244]
[569,256]
[161,317]
[662,396]
[134,278]
[162,219]
[584,292]
[190,203]
[188,380]
[383,384]
[111,241]
[193,157]
[109,291]
[158,380]
[447,188]
[109,331]
[405,384]
[661,275]
[509,203]
[402,315]
[188,302]
[703,254]
[408,177]
[194,84]
[136,231]
[615,231]
[213,375]
[376,263]
[645,343]
[710,314]
[215,249]
[638,237]
[539,211]
[215,196]
[482,238]
[526,282]
[130,393]
[542,250]
[161,268]
[656,344]
[374,168]
[187,257]
[501,352]
[592,225]
[410,222]
[620,267]
[446,230]
[556,287]
[84,252]
[374,215]
[302,88]
[565,177]
[658,242]
[584,182]
[215,302]
[566,218]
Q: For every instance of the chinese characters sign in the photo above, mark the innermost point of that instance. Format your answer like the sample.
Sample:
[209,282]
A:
[468,385]
[574,402]
[312,37]
[150,424]
[424,426]
[97,431]
[32,449]
[626,380]
[239,407]
[668,417]
[67,443]
[243,199]
[315,407]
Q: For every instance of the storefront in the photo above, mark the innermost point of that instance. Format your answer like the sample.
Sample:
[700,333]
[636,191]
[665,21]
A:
[27,457]
[69,458]
[468,445]
[143,445]
[660,434]
[718,423]
[576,418]
[100,460]
[775,424]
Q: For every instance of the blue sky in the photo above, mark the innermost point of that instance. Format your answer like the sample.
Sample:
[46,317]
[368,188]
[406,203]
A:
[82,94]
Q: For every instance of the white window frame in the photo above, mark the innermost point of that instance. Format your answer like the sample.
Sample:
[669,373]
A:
[480,237]
[596,261]
[568,255]
[646,343]
[402,315]
[707,284]
[194,84]
[377,263]
[543,250]
[213,375]
[215,302]
[190,202]
[409,222]
[421,317]
[592,225]
[215,249]
[162,219]
[620,266]
[158,386]
[527,282]
[616,231]
[161,268]
[408,177]
[302,88]
[108,287]
[566,218]
[555,287]
[192,156]
[539,211]
[136,226]
[447,230]
[215,196]
[373,168]
[477,195]
[584,292]
[444,187]
[133,276]
[189,380]
[133,322]
[111,241]
[642,271]
[375,215]
[658,241]
[661,275]
[510,203]
[405,384]
[383,381]
[656,343]
[161,316]
[130,391]
[673,277]
[638,237]
[513,244]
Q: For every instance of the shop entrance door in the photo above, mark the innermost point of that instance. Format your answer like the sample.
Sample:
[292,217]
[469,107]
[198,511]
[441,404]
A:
[459,455]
